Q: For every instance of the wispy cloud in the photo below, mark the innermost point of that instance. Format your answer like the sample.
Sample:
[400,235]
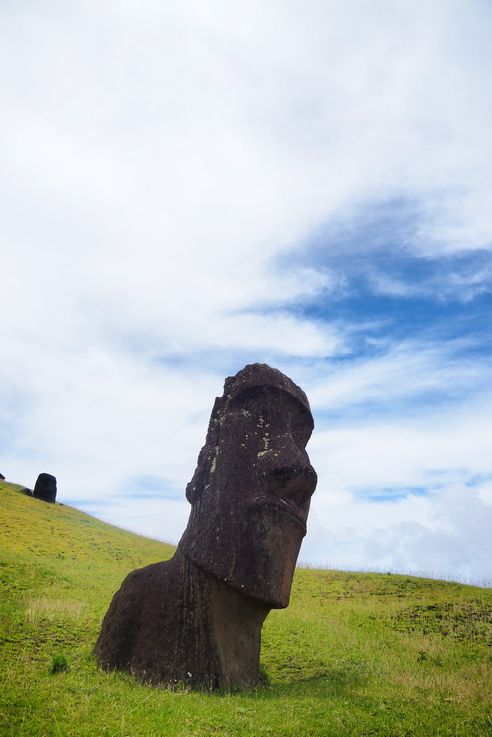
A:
[415,371]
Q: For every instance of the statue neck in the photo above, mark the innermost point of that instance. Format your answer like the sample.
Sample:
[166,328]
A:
[230,623]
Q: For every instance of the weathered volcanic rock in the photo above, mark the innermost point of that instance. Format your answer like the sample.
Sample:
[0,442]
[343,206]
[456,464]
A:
[2,477]
[26,491]
[45,487]
[197,618]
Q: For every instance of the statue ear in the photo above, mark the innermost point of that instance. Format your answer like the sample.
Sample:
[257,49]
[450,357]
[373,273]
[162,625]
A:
[196,486]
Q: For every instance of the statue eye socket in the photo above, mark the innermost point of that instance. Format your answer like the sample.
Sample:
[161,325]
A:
[254,402]
[262,406]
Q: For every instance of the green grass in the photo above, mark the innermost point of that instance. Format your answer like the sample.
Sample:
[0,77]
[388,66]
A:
[354,654]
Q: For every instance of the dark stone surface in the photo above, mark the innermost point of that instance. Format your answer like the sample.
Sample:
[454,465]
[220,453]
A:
[45,487]
[197,618]
[26,491]
[2,477]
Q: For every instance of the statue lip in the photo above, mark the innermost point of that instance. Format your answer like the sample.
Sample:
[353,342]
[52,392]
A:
[284,507]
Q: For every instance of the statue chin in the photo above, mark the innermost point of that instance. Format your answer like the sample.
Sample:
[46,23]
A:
[257,557]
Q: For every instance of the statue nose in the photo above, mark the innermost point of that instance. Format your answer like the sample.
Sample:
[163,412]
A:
[294,483]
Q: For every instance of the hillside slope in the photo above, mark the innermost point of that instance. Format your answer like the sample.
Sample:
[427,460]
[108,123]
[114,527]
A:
[354,654]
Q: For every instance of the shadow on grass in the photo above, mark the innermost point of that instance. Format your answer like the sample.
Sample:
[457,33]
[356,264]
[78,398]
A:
[324,682]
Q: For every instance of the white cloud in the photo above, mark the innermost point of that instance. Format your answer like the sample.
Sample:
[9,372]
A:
[405,494]
[426,447]
[445,535]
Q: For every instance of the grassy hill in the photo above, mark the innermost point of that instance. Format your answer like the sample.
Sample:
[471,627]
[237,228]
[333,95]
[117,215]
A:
[354,654]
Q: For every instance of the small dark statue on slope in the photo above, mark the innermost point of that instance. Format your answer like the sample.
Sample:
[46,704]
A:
[197,618]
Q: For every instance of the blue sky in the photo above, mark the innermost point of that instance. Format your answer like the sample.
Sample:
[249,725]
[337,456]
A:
[186,189]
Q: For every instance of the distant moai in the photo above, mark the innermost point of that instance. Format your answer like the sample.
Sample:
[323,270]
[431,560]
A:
[197,618]
[45,488]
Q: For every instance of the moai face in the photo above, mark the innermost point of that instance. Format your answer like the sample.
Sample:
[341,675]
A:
[251,491]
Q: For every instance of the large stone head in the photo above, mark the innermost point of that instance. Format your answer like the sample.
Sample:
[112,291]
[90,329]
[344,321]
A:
[251,490]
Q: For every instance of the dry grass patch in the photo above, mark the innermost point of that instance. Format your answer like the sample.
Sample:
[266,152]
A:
[468,687]
[53,610]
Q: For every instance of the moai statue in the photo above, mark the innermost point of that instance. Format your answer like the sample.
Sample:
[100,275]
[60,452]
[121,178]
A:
[45,488]
[197,618]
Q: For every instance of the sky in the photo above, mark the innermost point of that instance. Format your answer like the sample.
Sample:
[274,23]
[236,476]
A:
[189,187]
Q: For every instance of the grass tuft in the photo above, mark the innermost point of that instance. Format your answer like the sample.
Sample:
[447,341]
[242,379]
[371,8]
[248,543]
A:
[59,664]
